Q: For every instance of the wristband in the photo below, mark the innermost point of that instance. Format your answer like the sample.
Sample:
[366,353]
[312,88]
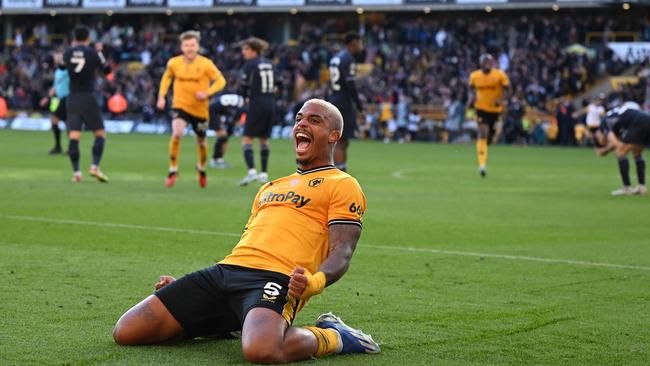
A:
[315,285]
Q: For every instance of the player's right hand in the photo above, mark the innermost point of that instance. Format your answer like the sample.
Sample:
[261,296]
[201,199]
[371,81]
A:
[164,281]
[200,95]
[298,282]
[304,285]
[161,103]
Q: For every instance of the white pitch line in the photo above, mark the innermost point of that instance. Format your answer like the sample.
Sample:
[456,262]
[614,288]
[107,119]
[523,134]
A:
[385,247]
[511,257]
[399,174]
[121,226]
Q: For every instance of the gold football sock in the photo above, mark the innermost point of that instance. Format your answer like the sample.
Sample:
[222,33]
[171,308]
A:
[202,149]
[327,340]
[482,152]
[174,151]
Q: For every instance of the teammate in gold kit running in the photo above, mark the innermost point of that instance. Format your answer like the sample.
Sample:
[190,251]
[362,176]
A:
[192,75]
[300,237]
[491,88]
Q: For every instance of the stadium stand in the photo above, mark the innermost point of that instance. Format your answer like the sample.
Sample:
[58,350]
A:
[426,60]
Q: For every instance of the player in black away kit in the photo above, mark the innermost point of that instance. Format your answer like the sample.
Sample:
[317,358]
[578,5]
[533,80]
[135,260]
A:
[82,61]
[224,113]
[258,86]
[344,94]
[626,129]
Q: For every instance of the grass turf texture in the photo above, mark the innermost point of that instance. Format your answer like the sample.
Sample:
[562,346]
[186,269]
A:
[65,284]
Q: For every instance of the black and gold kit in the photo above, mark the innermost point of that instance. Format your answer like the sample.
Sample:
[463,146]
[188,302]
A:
[288,228]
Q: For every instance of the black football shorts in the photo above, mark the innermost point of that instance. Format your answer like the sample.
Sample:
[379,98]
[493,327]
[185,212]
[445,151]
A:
[215,300]
[83,110]
[199,125]
[259,117]
[638,133]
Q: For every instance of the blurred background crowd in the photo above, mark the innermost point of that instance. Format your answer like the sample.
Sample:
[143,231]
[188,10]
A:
[412,74]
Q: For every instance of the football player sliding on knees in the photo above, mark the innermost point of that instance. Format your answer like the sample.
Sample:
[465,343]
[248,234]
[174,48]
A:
[299,239]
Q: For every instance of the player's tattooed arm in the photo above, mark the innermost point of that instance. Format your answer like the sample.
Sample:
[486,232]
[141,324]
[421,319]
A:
[343,240]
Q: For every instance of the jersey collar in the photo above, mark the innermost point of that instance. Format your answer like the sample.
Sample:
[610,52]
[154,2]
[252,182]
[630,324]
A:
[319,169]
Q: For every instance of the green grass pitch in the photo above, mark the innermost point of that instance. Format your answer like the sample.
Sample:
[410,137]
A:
[534,265]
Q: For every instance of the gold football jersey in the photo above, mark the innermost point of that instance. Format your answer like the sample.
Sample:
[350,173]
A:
[489,88]
[189,79]
[289,221]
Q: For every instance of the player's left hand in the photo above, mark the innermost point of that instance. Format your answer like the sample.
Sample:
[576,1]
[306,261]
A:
[201,95]
[161,103]
[164,281]
[601,151]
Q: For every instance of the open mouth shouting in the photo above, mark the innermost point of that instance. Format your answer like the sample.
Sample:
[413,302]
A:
[303,142]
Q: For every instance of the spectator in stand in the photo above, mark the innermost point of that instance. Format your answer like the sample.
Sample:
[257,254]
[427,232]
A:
[415,56]
[4,110]
[594,114]
[513,128]
[566,120]
[455,114]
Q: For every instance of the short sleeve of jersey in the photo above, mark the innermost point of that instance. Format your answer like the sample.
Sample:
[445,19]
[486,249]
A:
[472,77]
[348,203]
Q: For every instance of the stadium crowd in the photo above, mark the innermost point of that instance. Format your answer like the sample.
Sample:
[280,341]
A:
[411,61]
